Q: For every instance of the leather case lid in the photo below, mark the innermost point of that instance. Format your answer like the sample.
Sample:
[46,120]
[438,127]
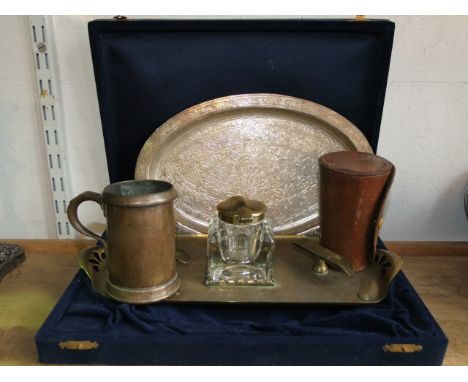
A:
[149,70]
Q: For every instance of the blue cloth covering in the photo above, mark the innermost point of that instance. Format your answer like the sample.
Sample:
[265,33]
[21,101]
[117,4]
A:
[215,334]
[148,71]
[392,318]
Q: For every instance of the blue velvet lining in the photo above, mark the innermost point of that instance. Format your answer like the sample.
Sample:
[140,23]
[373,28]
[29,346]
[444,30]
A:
[148,71]
[213,334]
[399,317]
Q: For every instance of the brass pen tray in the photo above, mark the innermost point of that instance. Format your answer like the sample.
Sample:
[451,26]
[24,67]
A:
[295,281]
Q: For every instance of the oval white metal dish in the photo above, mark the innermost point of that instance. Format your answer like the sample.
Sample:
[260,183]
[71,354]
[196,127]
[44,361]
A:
[264,146]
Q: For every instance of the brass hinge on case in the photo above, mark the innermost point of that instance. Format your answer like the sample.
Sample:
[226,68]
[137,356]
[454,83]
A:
[120,18]
[360,18]
[402,348]
[78,345]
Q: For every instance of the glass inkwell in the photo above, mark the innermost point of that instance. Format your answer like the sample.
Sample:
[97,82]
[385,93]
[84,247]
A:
[240,244]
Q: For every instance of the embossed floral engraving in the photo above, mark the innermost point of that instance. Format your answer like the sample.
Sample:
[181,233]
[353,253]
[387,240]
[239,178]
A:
[263,146]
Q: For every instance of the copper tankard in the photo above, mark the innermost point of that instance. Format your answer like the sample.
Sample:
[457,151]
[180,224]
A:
[140,242]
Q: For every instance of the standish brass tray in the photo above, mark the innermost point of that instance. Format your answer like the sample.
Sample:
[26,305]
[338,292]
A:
[295,280]
[263,146]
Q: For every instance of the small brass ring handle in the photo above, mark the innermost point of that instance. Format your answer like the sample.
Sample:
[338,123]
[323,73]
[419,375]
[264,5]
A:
[72,213]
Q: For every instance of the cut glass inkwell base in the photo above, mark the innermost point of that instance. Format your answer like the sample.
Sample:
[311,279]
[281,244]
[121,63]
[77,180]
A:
[240,244]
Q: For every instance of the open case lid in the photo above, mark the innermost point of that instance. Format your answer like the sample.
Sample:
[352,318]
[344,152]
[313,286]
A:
[147,71]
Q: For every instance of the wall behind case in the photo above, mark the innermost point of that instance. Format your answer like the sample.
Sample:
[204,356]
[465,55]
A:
[423,129]
[25,198]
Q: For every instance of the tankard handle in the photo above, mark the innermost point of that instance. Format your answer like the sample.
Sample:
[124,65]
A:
[72,213]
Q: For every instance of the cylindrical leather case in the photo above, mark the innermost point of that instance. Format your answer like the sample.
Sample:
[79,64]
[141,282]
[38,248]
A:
[353,189]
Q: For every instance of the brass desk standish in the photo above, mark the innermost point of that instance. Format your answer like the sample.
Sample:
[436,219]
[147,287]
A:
[296,281]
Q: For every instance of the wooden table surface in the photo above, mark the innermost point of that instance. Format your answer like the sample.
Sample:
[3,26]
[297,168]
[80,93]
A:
[28,294]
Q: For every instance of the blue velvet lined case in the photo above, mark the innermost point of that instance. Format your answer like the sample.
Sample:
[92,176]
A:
[146,72]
